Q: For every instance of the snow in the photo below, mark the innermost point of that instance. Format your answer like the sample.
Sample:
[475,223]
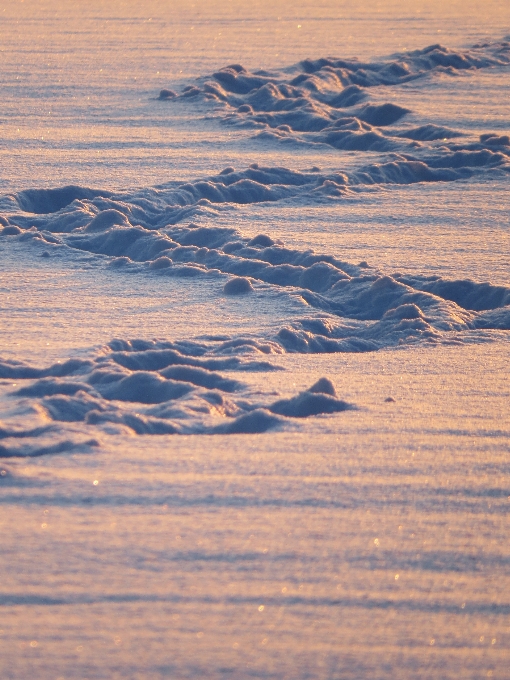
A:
[255,293]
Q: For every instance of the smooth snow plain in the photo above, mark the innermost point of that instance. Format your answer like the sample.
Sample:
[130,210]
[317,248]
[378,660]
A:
[254,350]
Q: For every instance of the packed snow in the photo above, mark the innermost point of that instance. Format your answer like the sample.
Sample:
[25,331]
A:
[254,356]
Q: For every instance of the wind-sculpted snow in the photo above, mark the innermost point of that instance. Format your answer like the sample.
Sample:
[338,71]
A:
[196,386]
[110,223]
[157,388]
[324,302]
[322,102]
[365,309]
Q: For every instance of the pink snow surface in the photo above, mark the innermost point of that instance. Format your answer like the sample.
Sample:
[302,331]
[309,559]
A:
[254,340]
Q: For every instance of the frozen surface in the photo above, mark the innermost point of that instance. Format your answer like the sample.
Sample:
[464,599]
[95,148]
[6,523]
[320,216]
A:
[254,350]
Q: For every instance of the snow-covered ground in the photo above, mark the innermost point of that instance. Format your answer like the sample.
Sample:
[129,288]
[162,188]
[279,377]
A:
[254,344]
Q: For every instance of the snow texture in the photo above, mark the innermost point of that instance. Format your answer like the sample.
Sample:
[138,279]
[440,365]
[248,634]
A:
[322,102]
[167,387]
[254,353]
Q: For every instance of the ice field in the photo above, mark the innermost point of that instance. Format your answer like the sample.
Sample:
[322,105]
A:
[255,340]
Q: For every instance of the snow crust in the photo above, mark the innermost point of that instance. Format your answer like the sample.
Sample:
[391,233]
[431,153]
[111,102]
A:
[166,387]
[254,343]
[347,307]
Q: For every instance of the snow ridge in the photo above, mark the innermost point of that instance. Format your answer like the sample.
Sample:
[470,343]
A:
[152,388]
[322,102]
[195,385]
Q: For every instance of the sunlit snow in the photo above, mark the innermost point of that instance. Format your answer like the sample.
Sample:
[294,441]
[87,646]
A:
[255,340]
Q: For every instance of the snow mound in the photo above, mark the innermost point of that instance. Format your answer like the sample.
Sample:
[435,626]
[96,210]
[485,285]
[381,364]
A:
[238,286]
[34,451]
[319,398]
